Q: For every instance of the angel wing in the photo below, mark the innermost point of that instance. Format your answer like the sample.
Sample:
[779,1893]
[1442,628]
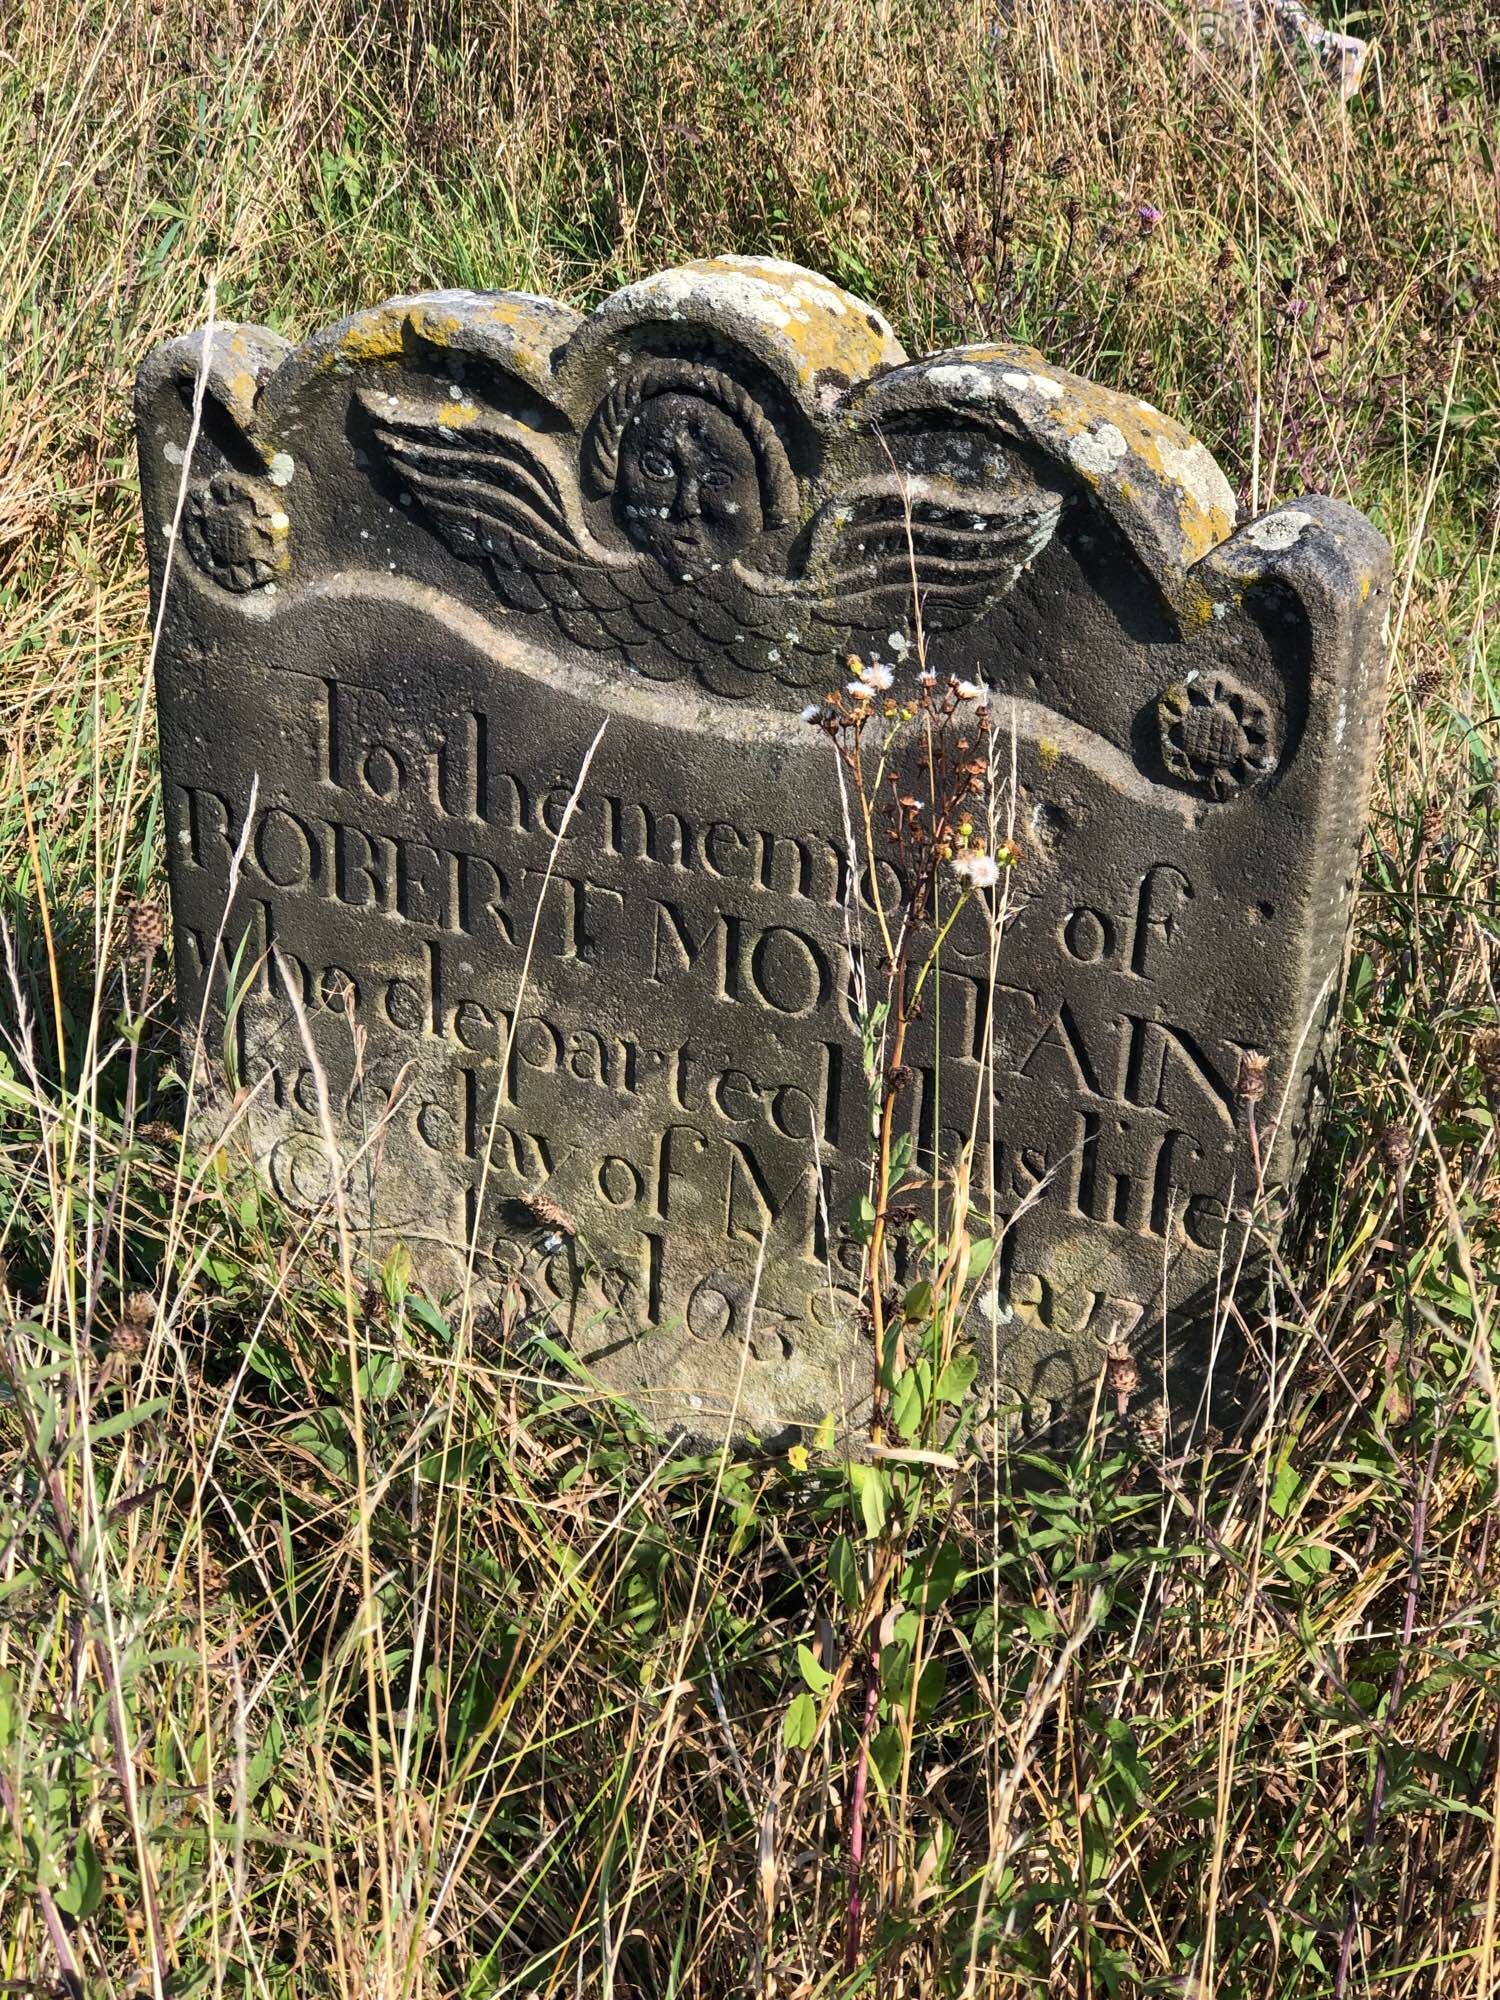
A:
[958,547]
[505,496]
[893,547]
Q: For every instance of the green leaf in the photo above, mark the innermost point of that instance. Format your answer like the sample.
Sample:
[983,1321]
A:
[918,1302]
[395,1275]
[939,1576]
[932,1684]
[380,1377]
[871,1492]
[895,1670]
[83,1891]
[862,1218]
[125,1420]
[957,1378]
[1039,1622]
[843,1571]
[1125,1759]
[800,1723]
[910,1399]
[981,1250]
[817,1678]
[889,1353]
[885,1756]
[1284,1488]
[426,1314]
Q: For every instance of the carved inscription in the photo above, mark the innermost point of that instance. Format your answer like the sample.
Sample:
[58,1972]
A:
[525,920]
[734,1083]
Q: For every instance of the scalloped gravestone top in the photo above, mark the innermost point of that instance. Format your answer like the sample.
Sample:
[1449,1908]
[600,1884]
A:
[612,1053]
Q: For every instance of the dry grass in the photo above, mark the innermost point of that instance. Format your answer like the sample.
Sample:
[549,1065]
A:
[344,1651]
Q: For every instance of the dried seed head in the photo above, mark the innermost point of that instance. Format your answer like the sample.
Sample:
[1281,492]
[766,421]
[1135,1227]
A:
[1151,1427]
[137,1311]
[145,928]
[1121,1371]
[1397,1147]
[541,1208]
[1251,1084]
[1427,683]
[1432,825]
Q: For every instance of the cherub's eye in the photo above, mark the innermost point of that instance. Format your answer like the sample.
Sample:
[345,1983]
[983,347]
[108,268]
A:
[715,478]
[656,465]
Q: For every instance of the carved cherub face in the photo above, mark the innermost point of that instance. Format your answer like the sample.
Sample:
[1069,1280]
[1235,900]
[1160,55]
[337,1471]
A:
[688,489]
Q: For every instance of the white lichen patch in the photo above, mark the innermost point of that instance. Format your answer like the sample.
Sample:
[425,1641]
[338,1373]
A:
[281,468]
[1098,451]
[1278,531]
[962,378]
[1032,385]
[173,453]
[1191,466]
[774,298]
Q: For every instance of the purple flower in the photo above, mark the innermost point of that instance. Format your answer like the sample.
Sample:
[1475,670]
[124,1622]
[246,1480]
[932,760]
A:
[1150,215]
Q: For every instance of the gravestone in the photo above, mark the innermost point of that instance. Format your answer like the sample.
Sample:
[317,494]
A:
[489,634]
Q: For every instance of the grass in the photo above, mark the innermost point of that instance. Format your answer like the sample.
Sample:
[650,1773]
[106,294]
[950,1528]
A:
[351,1648]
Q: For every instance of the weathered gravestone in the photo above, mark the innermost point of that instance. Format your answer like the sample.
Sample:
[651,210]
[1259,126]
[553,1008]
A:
[425,556]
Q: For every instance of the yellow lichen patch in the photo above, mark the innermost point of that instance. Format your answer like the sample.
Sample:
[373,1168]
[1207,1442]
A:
[514,309]
[372,336]
[453,416]
[522,332]
[807,321]
[1176,458]
[1008,354]
[239,393]
[1200,608]
[440,326]
[1047,752]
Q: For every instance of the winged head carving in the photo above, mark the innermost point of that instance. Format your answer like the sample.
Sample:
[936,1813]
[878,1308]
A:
[671,529]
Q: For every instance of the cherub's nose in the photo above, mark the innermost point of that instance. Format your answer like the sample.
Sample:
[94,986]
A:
[688,496]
